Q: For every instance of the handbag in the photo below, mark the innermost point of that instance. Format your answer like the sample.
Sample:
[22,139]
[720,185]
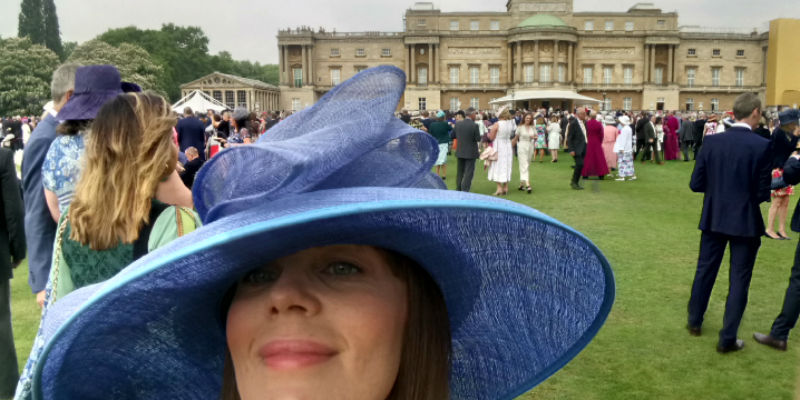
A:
[489,154]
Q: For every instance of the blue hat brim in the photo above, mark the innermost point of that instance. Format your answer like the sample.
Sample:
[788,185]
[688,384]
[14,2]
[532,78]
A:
[525,293]
[84,106]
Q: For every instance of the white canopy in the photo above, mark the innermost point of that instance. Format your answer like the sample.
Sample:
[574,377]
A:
[198,101]
[520,95]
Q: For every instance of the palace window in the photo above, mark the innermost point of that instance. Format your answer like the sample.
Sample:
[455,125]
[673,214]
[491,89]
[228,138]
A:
[608,72]
[474,25]
[494,25]
[387,52]
[714,104]
[690,104]
[528,73]
[454,75]
[361,53]
[421,22]
[335,52]
[627,75]
[494,75]
[659,78]
[562,72]
[691,73]
[587,75]
[298,76]
[715,53]
[607,104]
[453,25]
[295,104]
[627,103]
[545,72]
[661,22]
[336,76]
[715,72]
[740,53]
[739,77]
[629,26]
[241,98]
[422,75]
[588,26]
[475,103]
[474,75]
[454,104]
[609,25]
[691,52]
[423,104]
[218,95]
[229,99]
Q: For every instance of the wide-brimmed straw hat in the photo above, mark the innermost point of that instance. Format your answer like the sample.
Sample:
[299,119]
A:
[524,292]
[94,86]
[625,120]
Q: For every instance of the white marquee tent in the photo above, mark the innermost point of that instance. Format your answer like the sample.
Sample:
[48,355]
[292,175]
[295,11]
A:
[522,95]
[198,101]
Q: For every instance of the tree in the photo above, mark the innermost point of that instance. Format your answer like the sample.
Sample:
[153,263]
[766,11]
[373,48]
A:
[25,73]
[52,33]
[133,62]
[31,21]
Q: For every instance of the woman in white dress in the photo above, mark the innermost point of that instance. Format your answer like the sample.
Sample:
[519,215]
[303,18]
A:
[525,135]
[500,170]
[554,138]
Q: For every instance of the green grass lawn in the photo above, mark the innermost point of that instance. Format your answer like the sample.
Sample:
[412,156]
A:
[648,231]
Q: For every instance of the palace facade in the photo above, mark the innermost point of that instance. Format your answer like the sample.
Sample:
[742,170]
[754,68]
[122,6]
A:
[637,60]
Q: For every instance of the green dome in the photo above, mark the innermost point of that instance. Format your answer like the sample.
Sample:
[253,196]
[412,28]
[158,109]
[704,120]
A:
[541,20]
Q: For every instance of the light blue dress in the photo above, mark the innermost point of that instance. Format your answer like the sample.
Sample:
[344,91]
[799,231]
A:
[62,167]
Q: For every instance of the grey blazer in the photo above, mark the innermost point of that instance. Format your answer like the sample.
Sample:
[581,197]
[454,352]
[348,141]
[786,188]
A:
[468,135]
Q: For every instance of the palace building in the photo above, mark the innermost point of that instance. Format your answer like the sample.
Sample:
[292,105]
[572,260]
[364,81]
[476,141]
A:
[641,59]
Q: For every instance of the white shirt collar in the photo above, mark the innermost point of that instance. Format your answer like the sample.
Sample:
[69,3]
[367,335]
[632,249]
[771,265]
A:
[742,125]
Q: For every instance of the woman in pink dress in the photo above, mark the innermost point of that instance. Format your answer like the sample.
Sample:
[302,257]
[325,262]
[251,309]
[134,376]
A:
[594,164]
[610,133]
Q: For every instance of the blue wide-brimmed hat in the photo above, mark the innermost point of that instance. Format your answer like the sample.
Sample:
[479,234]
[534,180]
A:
[789,116]
[94,86]
[524,293]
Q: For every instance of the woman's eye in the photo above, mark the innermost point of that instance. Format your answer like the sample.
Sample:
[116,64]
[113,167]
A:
[262,276]
[342,269]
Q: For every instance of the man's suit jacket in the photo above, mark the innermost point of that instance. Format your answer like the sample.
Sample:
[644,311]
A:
[468,135]
[40,229]
[648,132]
[733,170]
[191,133]
[12,231]
[576,141]
[791,175]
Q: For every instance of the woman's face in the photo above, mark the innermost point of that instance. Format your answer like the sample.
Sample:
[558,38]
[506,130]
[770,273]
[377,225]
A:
[326,322]
[528,119]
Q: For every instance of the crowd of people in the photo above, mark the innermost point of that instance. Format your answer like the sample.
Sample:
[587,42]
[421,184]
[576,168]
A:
[162,273]
[602,144]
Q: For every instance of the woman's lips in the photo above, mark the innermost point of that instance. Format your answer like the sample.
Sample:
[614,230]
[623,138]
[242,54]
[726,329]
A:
[292,354]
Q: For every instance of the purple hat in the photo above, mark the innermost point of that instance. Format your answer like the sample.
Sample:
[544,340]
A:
[94,86]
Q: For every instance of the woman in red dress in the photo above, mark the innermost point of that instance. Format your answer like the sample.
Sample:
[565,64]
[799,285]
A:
[594,164]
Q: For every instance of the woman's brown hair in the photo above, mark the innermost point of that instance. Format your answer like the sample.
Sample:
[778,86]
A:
[525,118]
[424,372]
[129,151]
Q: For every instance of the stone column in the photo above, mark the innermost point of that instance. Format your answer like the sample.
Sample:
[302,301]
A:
[555,60]
[646,64]
[436,63]
[509,63]
[304,64]
[286,72]
[520,77]
[536,72]
[310,66]
[413,63]
[430,63]
[670,58]
[570,63]
[652,62]
[408,64]
[764,66]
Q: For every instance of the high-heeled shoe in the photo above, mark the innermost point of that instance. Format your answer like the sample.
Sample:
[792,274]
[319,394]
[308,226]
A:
[528,189]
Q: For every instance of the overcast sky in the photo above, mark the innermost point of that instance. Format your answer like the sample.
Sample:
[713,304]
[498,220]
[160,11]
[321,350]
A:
[247,28]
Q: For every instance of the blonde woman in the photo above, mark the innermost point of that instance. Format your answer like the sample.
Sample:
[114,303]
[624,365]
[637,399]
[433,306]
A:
[114,217]
[525,135]
[500,135]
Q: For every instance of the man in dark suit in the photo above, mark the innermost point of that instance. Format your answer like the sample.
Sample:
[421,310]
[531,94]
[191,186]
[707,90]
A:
[733,171]
[40,229]
[650,140]
[12,252]
[468,136]
[576,146]
[790,311]
[191,166]
[191,131]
